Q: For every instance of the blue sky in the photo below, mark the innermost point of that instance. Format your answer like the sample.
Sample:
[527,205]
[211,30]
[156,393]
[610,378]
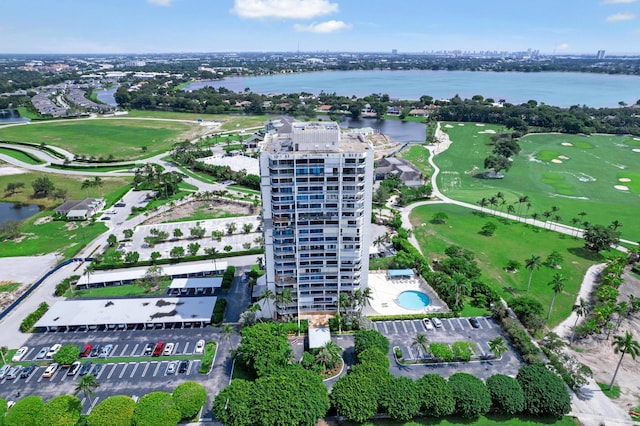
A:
[150,26]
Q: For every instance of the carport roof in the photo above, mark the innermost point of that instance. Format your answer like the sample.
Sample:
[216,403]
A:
[130,274]
[215,282]
[128,311]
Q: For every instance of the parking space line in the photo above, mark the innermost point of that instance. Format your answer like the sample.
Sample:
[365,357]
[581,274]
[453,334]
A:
[146,367]
[412,325]
[384,324]
[123,370]
[112,370]
[135,367]
[459,324]
[93,404]
[186,348]
[104,367]
[189,367]
[395,329]
[123,349]
[155,372]
[135,349]
[487,322]
[33,374]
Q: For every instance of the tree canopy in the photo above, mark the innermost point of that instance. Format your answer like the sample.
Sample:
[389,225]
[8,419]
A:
[471,395]
[545,393]
[156,409]
[113,411]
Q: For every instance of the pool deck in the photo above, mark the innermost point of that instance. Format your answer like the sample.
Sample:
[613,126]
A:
[385,293]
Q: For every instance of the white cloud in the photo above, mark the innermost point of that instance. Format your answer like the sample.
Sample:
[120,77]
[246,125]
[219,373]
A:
[562,47]
[283,9]
[323,27]
[626,16]
[160,2]
[619,1]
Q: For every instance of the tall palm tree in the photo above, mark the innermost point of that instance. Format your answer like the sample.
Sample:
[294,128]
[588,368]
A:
[511,209]
[575,222]
[483,203]
[493,201]
[420,341]
[227,331]
[615,224]
[535,217]
[267,295]
[363,297]
[521,200]
[532,263]
[623,345]
[581,309]
[86,385]
[97,182]
[497,346]
[344,302]
[283,298]
[529,205]
[458,284]
[557,284]
[557,218]
[622,309]
[547,215]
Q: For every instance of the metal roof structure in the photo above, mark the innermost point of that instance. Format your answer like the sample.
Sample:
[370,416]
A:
[213,282]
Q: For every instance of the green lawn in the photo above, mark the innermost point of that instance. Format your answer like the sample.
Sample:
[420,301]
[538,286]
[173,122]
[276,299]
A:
[131,290]
[489,420]
[8,287]
[581,179]
[122,139]
[511,241]
[204,213]
[21,156]
[418,155]
[105,169]
[613,394]
[229,122]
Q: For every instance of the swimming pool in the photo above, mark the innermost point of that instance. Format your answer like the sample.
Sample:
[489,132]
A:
[412,299]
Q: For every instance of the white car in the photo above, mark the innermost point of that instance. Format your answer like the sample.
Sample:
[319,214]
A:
[53,350]
[43,352]
[50,371]
[168,349]
[436,322]
[171,368]
[427,323]
[19,354]
[4,370]
[199,347]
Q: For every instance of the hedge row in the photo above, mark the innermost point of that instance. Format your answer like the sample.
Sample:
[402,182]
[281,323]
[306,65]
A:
[170,261]
[521,340]
[33,317]
[227,277]
[207,358]
[218,311]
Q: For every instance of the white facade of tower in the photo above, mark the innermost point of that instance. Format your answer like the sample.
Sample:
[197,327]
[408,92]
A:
[316,186]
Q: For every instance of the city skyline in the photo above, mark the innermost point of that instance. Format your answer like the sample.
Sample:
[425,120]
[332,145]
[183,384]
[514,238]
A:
[176,26]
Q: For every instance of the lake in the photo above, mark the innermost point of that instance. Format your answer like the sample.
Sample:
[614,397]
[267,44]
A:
[14,211]
[397,130]
[106,95]
[552,88]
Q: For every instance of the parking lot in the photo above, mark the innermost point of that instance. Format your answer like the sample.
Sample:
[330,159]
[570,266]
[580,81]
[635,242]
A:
[401,333]
[119,375]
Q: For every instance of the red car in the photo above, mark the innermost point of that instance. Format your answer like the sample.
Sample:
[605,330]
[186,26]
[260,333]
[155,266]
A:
[85,351]
[157,351]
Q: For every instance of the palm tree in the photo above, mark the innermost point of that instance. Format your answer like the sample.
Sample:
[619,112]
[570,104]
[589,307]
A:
[227,331]
[521,201]
[622,309]
[344,302]
[624,344]
[267,296]
[528,207]
[363,297]
[421,342]
[86,385]
[97,182]
[535,217]
[86,184]
[511,209]
[581,309]
[615,225]
[458,285]
[547,215]
[557,284]
[283,298]
[575,222]
[532,263]
[497,346]
[483,203]
[557,218]
[494,202]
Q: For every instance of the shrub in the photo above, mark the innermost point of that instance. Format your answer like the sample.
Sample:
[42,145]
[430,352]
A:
[365,339]
[67,354]
[231,405]
[398,352]
[441,351]
[113,411]
[529,311]
[64,285]
[471,395]
[189,397]
[374,356]
[544,392]
[521,340]
[506,393]
[25,412]
[227,277]
[436,395]
[33,317]
[62,410]
[218,311]
[207,357]
[399,398]
[462,350]
[355,397]
[156,409]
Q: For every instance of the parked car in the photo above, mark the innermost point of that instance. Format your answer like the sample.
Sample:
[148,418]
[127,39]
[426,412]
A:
[86,368]
[168,349]
[436,322]
[427,323]
[106,350]
[95,351]
[120,205]
[474,322]
[183,367]
[50,371]
[86,351]
[148,349]
[171,368]
[53,350]
[73,369]
[13,373]
[19,354]
[27,371]
[43,352]
[199,347]
[96,369]
[4,370]
[157,351]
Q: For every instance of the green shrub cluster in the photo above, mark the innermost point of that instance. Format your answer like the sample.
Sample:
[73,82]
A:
[227,277]
[62,287]
[189,398]
[521,340]
[33,317]
[207,357]
[217,316]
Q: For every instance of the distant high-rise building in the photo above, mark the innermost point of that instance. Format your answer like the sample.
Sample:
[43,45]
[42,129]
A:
[394,51]
[316,187]
[600,54]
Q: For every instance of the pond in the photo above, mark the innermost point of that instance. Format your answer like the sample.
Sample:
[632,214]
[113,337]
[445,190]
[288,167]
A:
[17,211]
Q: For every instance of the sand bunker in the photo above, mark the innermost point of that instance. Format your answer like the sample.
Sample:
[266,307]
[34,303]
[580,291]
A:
[636,139]
[9,170]
[624,180]
[621,187]
[555,160]
[563,157]
[566,144]
[488,131]
[479,124]
[460,124]
[636,150]
[448,126]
